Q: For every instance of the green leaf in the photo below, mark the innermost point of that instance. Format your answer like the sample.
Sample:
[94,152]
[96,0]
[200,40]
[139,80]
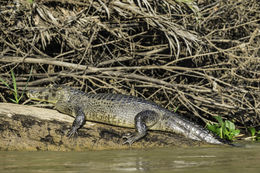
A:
[252,131]
[220,132]
[212,128]
[26,84]
[219,119]
[236,132]
[5,83]
[175,110]
[13,100]
[224,129]
[15,87]
[14,90]
[230,125]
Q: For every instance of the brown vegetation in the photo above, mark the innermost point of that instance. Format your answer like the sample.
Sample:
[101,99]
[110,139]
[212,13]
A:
[202,58]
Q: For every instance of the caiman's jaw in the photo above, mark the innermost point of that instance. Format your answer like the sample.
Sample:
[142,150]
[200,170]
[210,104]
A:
[42,95]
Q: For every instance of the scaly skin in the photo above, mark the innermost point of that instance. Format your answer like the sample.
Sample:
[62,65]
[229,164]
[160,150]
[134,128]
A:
[119,110]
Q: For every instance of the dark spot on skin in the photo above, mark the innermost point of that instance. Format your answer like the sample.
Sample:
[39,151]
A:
[112,99]
[139,99]
[98,97]
[103,96]
[91,96]
[119,97]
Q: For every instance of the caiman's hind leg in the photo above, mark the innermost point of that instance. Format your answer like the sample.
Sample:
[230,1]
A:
[143,121]
[77,123]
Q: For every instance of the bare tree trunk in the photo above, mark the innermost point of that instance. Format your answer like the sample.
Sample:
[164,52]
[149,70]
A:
[31,128]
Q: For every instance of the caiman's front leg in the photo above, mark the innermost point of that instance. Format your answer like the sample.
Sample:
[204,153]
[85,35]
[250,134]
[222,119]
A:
[77,123]
[143,121]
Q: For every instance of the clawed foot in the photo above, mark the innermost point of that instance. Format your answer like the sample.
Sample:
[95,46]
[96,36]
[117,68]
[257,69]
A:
[130,138]
[73,133]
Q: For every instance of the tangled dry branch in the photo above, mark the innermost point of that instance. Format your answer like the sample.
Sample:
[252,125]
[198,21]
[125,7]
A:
[202,58]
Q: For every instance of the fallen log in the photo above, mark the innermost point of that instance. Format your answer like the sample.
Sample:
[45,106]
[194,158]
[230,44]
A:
[29,128]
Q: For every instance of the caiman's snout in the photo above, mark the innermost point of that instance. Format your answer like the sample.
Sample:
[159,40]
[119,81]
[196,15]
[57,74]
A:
[39,95]
[29,93]
[33,94]
[46,94]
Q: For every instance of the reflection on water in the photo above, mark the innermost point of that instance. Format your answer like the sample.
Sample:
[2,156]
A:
[199,159]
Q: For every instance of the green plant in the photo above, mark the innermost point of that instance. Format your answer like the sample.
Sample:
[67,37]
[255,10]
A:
[225,129]
[176,109]
[14,90]
[254,134]
[173,109]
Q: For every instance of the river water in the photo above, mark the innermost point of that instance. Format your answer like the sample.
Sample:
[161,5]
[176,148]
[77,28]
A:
[217,159]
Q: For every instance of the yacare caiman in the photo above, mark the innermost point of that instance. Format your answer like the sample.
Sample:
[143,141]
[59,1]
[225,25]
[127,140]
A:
[119,110]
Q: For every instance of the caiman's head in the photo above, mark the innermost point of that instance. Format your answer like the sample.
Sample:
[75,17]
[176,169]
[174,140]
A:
[51,94]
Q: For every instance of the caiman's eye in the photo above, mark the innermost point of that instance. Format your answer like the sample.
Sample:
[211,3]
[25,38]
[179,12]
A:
[46,97]
[54,94]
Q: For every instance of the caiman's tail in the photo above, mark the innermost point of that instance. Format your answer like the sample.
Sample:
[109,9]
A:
[176,124]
